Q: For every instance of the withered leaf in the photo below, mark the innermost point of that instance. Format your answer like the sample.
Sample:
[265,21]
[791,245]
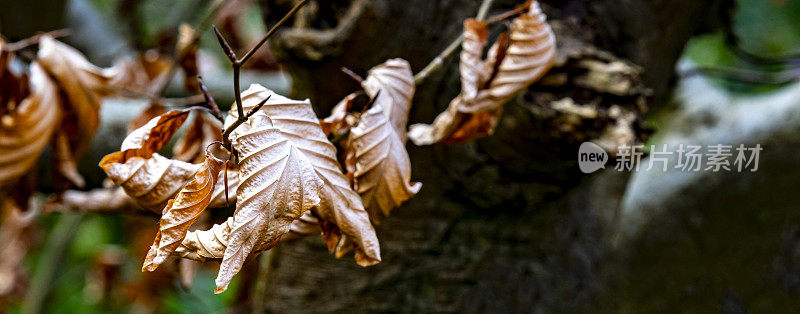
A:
[277,184]
[514,62]
[182,211]
[395,81]
[339,204]
[147,177]
[380,164]
[148,139]
[27,129]
[84,85]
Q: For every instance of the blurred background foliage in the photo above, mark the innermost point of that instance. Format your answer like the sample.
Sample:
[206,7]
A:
[108,249]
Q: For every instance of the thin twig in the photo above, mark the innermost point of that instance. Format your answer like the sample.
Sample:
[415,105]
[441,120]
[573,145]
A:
[30,41]
[209,100]
[237,65]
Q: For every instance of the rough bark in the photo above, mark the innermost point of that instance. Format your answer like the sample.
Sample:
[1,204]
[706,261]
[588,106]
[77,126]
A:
[507,223]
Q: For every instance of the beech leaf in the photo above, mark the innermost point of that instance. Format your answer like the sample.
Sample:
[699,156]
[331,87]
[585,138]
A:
[83,86]
[277,184]
[26,130]
[147,177]
[515,61]
[339,203]
[182,211]
[380,163]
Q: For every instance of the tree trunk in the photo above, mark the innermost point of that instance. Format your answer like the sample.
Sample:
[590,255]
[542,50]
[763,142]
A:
[506,223]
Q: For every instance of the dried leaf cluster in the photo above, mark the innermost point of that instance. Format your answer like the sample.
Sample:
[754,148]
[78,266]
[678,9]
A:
[289,173]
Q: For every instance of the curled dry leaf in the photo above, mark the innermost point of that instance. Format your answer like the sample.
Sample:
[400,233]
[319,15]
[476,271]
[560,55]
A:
[278,183]
[26,130]
[83,85]
[149,178]
[339,204]
[380,164]
[395,81]
[182,211]
[514,62]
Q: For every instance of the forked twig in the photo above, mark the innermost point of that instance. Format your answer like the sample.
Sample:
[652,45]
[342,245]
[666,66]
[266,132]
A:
[237,63]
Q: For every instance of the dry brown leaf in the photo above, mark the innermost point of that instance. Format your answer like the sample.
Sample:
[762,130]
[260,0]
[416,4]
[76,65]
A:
[149,178]
[203,131]
[277,184]
[83,84]
[395,81]
[151,182]
[380,163]
[339,204]
[27,129]
[514,62]
[148,139]
[182,211]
